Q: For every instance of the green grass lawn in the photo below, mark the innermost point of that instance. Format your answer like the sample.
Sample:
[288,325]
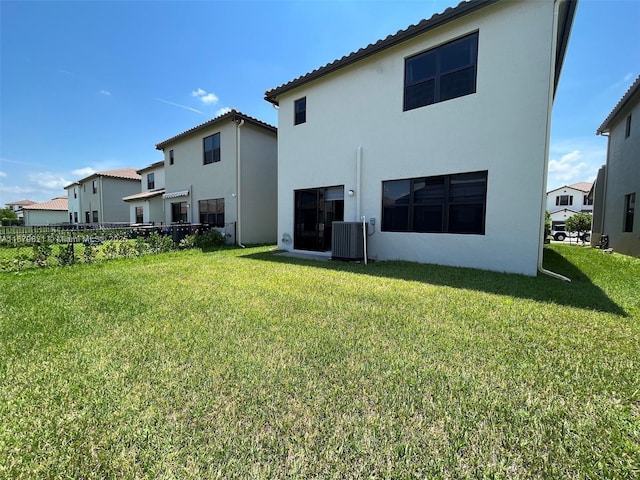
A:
[245,364]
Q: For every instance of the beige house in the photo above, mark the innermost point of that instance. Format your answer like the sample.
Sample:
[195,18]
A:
[423,135]
[53,212]
[147,207]
[97,198]
[223,173]
[617,189]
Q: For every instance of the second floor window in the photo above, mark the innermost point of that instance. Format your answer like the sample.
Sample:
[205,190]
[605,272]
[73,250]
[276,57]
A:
[151,182]
[300,111]
[171,158]
[564,200]
[587,201]
[75,193]
[442,73]
[211,149]
[94,186]
[627,128]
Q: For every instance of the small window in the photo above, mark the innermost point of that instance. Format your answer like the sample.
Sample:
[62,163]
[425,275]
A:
[151,182]
[139,215]
[179,212]
[300,110]
[94,186]
[75,217]
[441,74]
[95,216]
[70,217]
[212,212]
[75,193]
[564,200]
[211,149]
[629,210]
[170,157]
[627,129]
[587,201]
[87,217]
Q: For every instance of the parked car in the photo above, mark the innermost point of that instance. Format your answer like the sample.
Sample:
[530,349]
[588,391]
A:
[560,235]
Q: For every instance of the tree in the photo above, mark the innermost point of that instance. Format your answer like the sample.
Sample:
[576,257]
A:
[547,225]
[579,223]
[7,213]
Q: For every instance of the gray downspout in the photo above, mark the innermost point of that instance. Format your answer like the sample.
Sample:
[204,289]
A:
[239,125]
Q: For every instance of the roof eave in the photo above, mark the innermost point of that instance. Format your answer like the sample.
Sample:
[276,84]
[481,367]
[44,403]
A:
[626,98]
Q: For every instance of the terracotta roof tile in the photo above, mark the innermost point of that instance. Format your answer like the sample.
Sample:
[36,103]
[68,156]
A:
[58,203]
[232,115]
[21,202]
[582,186]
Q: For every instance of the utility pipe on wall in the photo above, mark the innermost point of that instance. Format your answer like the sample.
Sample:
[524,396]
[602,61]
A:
[359,182]
[238,185]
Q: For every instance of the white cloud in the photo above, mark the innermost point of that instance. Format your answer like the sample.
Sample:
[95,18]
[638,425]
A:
[48,181]
[83,172]
[222,111]
[2,174]
[15,190]
[575,160]
[105,92]
[208,98]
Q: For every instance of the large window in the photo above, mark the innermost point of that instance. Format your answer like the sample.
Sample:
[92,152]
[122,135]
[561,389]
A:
[151,181]
[440,74]
[139,215]
[179,212]
[629,210]
[564,199]
[300,111]
[211,149]
[212,212]
[442,204]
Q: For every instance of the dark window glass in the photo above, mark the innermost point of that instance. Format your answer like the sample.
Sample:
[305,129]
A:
[211,149]
[627,128]
[171,159]
[87,217]
[75,217]
[300,111]
[94,186]
[139,215]
[447,204]
[179,212]
[443,73]
[212,212]
[151,182]
[95,216]
[629,211]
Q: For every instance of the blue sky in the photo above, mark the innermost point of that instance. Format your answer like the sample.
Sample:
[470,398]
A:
[90,85]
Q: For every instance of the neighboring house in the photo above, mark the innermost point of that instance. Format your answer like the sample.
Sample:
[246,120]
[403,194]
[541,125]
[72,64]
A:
[617,189]
[53,212]
[97,198]
[566,201]
[18,206]
[148,205]
[428,135]
[223,173]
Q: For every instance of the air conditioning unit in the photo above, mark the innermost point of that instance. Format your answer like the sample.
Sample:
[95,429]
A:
[347,241]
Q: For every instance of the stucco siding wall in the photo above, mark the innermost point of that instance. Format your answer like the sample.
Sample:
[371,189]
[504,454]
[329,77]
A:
[502,128]
[259,184]
[45,217]
[623,178]
[114,209]
[204,182]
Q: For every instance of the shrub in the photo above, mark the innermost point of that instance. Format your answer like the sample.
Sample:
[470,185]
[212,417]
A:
[66,255]
[41,254]
[187,242]
[160,243]
[210,239]
[110,249]
[126,249]
[89,254]
[141,246]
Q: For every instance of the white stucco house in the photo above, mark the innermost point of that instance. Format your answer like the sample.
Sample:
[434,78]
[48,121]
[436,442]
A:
[222,173]
[17,206]
[53,212]
[147,206]
[566,201]
[97,198]
[617,189]
[427,135]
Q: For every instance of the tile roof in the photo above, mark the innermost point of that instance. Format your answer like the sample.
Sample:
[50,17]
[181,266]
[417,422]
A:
[159,163]
[566,14]
[21,202]
[123,173]
[143,195]
[582,186]
[232,115]
[58,203]
[606,125]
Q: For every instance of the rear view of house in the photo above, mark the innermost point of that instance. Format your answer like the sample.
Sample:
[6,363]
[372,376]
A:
[222,173]
[148,206]
[436,136]
[617,188]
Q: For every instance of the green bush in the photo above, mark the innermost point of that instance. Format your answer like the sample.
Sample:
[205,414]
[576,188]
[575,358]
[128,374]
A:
[41,254]
[160,243]
[66,255]
[210,239]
